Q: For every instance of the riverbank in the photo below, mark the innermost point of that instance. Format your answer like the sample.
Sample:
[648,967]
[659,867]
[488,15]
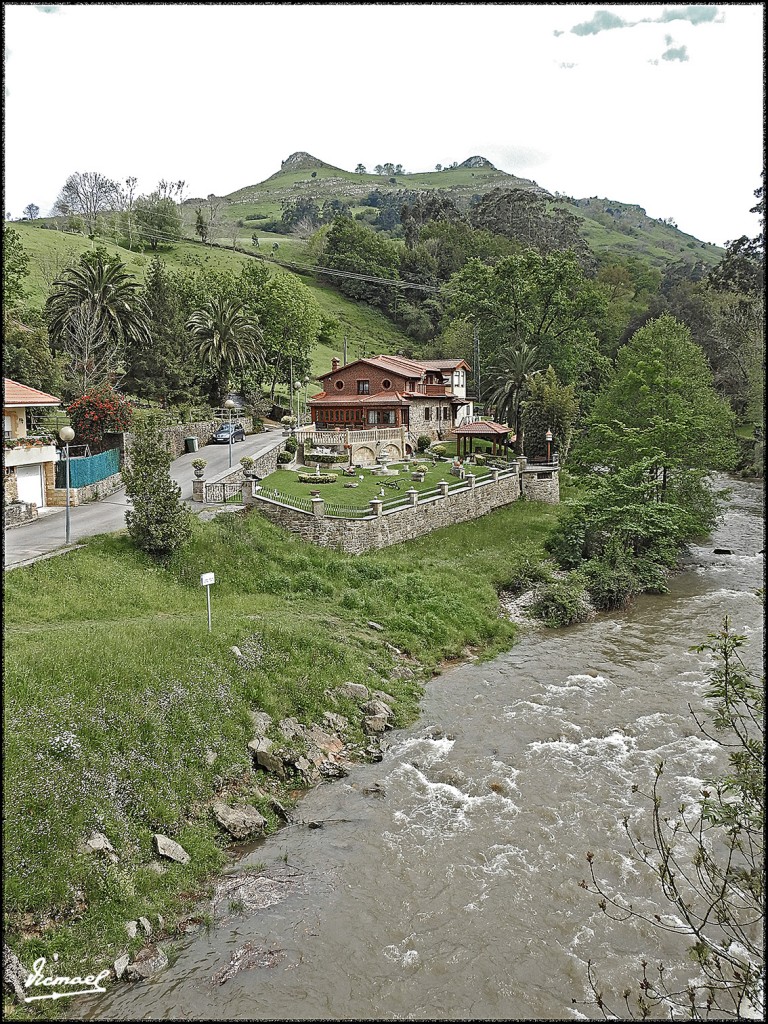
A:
[126,719]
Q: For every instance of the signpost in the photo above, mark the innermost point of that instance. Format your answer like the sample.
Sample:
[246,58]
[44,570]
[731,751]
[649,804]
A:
[206,579]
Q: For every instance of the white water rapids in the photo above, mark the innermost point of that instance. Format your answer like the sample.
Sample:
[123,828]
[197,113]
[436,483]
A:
[443,884]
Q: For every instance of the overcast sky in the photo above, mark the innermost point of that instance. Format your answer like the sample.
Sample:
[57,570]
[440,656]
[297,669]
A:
[658,105]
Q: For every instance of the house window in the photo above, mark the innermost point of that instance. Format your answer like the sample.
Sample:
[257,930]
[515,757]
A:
[339,385]
[388,417]
[427,413]
[372,416]
[363,387]
[386,384]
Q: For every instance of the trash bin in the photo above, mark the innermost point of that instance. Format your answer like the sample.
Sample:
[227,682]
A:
[190,444]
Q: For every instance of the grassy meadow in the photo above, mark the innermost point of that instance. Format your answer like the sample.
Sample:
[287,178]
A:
[124,714]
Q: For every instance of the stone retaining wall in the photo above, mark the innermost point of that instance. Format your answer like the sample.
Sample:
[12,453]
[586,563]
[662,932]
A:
[82,495]
[175,436]
[355,536]
[16,513]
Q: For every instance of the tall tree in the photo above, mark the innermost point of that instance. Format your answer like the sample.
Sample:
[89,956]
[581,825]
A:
[158,219]
[227,340]
[15,268]
[545,301]
[549,406]
[87,194]
[32,211]
[94,313]
[661,405]
[511,379]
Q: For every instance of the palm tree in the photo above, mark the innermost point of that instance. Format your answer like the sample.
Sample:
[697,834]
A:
[94,312]
[227,338]
[513,374]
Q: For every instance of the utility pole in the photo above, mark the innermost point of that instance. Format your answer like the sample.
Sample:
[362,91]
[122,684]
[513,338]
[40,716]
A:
[345,350]
[476,342]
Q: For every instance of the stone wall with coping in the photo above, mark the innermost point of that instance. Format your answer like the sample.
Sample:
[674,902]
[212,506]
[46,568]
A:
[541,484]
[355,536]
[175,436]
[17,513]
[82,495]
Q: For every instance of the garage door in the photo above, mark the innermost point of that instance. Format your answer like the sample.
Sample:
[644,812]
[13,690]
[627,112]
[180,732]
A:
[29,484]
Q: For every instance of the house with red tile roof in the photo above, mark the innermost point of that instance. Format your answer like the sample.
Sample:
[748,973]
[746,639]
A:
[28,460]
[423,397]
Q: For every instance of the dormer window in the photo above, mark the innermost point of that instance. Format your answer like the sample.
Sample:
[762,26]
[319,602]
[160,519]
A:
[363,387]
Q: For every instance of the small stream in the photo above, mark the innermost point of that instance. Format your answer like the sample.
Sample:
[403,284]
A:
[443,883]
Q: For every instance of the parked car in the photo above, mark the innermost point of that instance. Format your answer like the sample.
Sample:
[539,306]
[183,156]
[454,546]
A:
[221,436]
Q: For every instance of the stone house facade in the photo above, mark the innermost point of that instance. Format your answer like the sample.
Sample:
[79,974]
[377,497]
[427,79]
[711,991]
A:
[386,391]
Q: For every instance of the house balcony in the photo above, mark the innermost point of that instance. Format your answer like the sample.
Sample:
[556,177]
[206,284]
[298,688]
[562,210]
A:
[440,390]
[26,451]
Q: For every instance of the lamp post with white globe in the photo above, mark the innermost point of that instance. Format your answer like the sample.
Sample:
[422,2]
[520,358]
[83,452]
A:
[67,434]
[230,405]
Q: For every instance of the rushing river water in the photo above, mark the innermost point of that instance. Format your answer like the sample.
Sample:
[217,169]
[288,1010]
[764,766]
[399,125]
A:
[444,882]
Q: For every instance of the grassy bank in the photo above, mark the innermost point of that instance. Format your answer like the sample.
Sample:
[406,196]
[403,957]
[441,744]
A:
[117,697]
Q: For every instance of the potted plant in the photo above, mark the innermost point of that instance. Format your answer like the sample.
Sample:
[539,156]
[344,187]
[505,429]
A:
[248,467]
[199,466]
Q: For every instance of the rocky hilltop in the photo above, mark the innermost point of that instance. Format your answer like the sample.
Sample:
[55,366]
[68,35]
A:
[302,161]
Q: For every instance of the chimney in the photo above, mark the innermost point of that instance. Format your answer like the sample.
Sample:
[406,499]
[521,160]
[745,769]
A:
[334,364]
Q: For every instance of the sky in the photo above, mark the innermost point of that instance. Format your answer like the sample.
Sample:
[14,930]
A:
[657,105]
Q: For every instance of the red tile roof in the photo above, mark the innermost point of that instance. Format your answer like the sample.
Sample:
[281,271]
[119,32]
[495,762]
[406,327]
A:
[484,428]
[15,394]
[382,398]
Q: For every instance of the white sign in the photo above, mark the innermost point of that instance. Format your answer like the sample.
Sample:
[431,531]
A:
[207,578]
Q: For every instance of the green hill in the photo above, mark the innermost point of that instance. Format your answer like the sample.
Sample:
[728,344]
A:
[607,225]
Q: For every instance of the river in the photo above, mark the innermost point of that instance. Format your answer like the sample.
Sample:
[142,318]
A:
[443,883]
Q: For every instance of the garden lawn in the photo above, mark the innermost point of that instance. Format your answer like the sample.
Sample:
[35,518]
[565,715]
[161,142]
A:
[391,490]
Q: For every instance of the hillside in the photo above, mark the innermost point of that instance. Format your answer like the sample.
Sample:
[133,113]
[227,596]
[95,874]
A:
[366,329]
[607,225]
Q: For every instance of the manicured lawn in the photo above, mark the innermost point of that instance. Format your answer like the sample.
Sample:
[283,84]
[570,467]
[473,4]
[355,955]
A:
[388,489]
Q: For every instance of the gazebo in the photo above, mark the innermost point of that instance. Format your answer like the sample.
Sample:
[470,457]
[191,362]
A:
[484,430]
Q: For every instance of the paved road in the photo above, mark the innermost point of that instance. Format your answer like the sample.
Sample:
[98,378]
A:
[47,534]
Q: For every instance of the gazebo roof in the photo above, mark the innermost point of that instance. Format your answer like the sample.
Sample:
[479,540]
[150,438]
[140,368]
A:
[483,428]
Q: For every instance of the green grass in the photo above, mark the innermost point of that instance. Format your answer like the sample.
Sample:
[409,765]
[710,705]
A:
[287,482]
[116,694]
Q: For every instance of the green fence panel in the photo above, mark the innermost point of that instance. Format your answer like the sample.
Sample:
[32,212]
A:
[89,469]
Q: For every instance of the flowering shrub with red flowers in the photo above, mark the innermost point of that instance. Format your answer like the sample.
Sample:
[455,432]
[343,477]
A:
[97,412]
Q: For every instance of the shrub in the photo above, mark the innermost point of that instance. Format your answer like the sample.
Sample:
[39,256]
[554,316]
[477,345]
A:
[317,478]
[247,462]
[291,445]
[283,458]
[423,443]
[326,460]
[158,521]
[95,413]
[421,467]
[561,603]
[201,463]
[480,460]
[439,450]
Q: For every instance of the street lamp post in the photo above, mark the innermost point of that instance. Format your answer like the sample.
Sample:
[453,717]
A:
[67,434]
[548,436]
[230,405]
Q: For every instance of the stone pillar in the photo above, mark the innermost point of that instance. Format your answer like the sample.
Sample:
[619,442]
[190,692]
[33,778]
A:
[376,504]
[318,508]
[495,475]
[198,490]
[443,485]
[413,495]
[470,478]
[522,462]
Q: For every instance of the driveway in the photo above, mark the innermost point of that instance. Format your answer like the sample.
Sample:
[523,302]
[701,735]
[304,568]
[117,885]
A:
[47,534]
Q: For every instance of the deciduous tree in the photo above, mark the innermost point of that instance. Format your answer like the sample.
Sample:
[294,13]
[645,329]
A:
[87,194]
